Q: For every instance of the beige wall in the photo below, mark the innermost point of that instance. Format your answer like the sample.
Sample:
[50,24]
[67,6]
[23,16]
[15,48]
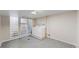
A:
[78,29]
[34,22]
[4,28]
[0,29]
[62,26]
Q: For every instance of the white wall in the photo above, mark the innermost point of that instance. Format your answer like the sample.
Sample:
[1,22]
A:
[62,26]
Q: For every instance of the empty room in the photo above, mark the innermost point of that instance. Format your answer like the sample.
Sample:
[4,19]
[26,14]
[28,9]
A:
[39,29]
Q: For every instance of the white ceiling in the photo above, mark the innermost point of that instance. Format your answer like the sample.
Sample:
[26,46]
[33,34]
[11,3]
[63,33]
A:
[27,13]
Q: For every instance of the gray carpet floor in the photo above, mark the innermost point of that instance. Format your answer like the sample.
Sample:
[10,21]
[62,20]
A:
[32,42]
